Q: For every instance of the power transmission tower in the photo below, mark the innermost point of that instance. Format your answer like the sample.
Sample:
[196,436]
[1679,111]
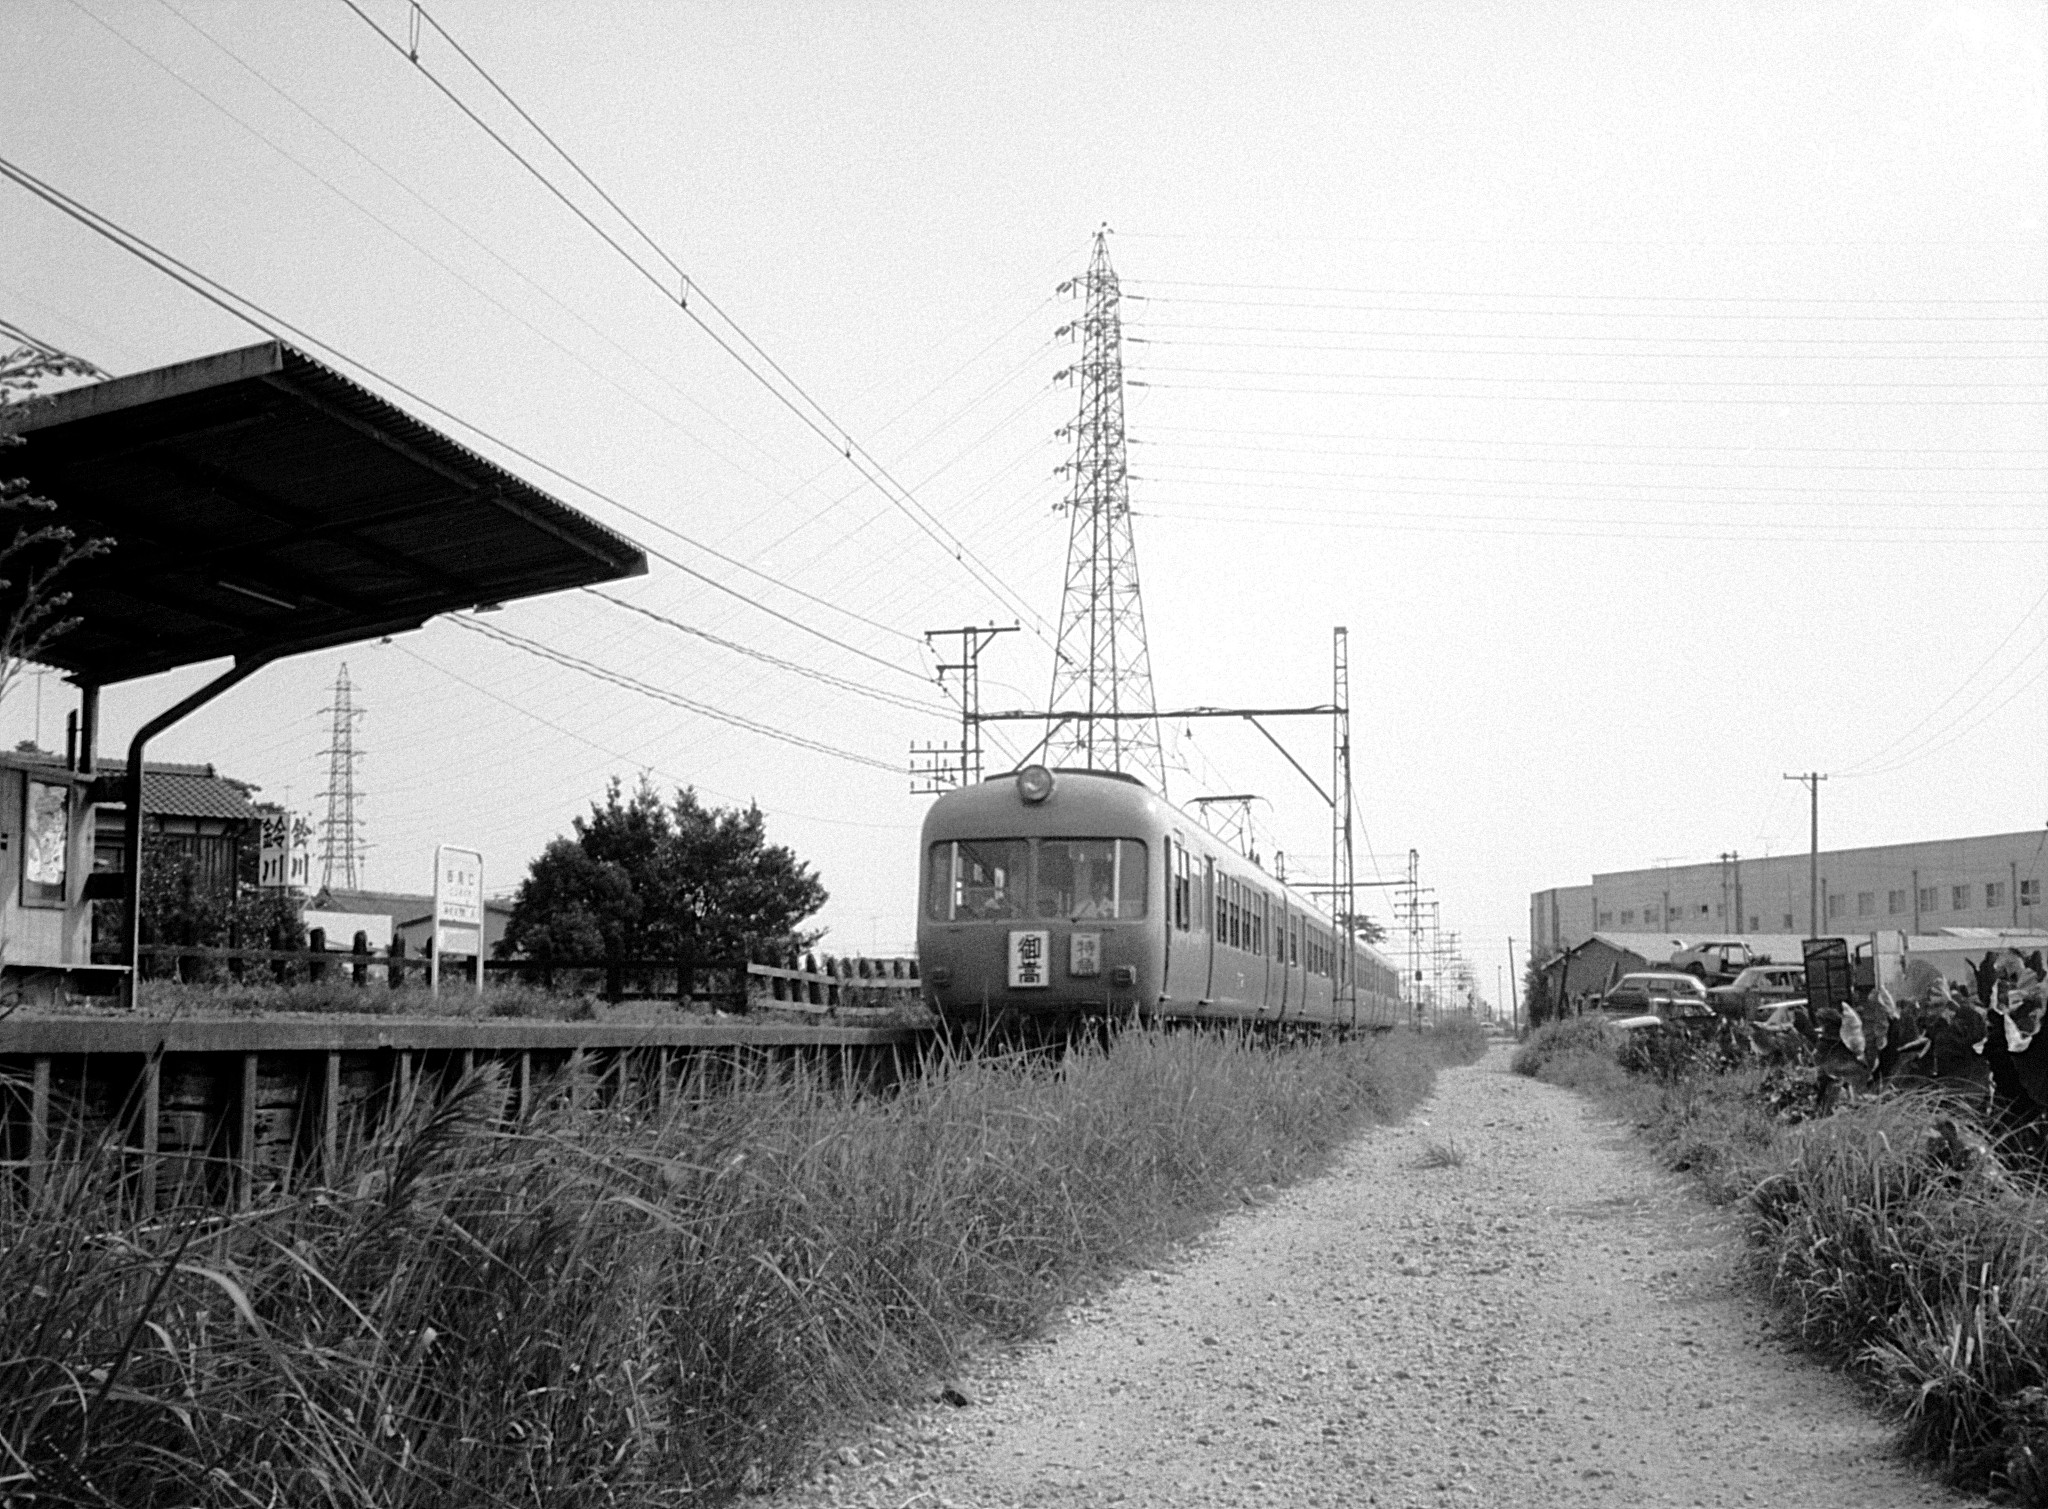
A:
[341,842]
[1102,669]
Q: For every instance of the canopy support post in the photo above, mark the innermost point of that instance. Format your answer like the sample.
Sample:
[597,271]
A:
[131,880]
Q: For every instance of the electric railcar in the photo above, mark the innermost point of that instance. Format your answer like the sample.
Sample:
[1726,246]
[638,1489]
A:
[1049,894]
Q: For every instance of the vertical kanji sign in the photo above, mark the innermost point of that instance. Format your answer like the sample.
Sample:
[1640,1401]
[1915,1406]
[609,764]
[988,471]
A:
[458,910]
[286,851]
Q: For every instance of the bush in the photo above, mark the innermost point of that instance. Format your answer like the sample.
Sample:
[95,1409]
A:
[611,1305]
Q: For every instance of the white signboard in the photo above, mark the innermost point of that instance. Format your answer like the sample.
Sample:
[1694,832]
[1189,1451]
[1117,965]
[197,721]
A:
[1030,969]
[287,852]
[1084,955]
[458,909]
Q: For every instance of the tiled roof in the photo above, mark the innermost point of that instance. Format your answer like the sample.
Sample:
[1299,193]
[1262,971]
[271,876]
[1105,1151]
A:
[397,905]
[194,791]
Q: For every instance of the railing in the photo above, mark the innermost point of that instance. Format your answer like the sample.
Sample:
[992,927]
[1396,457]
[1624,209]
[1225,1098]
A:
[820,985]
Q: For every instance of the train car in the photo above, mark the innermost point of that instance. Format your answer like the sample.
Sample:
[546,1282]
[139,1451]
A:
[1057,894]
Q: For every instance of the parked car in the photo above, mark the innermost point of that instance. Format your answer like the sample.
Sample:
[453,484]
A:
[1720,960]
[1784,1016]
[1660,993]
[1757,988]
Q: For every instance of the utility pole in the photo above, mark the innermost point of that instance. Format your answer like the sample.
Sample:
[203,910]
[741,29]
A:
[1811,780]
[1514,992]
[1343,863]
[1101,664]
[938,772]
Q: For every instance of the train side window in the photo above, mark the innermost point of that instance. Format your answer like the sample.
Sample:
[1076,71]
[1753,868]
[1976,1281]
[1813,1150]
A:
[1183,887]
[1220,888]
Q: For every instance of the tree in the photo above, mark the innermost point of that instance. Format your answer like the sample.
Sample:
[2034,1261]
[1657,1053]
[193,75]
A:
[30,603]
[646,879]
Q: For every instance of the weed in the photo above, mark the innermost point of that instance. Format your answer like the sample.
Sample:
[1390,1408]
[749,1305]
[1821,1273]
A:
[1442,1155]
[623,1305]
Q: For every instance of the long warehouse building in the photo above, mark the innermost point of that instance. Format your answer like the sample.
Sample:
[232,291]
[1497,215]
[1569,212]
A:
[1990,882]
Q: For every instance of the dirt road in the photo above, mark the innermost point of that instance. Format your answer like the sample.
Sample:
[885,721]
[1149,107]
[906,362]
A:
[1500,1302]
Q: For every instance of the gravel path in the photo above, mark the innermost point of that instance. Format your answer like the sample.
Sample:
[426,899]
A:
[1550,1321]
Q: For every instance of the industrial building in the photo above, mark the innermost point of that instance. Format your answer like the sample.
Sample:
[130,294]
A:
[1990,882]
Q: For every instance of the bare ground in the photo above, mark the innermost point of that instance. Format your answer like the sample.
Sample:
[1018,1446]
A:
[1499,1302]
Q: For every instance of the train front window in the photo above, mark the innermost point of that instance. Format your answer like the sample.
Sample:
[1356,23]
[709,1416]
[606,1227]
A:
[1091,879]
[977,879]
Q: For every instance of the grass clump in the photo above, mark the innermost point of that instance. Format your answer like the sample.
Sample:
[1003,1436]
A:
[623,1305]
[1901,1238]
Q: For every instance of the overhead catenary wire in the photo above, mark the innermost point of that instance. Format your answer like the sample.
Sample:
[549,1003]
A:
[673,698]
[240,306]
[779,583]
[859,689]
[791,394]
[588,743]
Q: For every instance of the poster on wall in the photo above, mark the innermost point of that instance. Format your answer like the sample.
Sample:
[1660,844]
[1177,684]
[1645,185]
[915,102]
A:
[46,844]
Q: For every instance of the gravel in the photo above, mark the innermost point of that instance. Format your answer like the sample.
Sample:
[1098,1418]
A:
[1499,1302]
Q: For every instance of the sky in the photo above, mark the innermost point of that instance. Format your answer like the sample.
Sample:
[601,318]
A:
[1656,392]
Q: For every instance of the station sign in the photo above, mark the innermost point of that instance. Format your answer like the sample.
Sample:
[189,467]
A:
[285,855]
[458,909]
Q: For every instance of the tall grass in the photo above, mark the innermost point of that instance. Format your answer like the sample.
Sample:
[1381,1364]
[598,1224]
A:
[1902,1238]
[618,1305]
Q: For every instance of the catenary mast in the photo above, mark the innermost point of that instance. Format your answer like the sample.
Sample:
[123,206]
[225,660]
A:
[1102,670]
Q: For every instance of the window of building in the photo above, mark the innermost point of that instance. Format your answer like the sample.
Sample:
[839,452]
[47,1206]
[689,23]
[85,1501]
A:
[1627,918]
[1788,922]
[1607,919]
[1894,902]
[1930,898]
[1703,909]
[1866,903]
[1994,894]
[2030,893]
[1959,898]
[1834,905]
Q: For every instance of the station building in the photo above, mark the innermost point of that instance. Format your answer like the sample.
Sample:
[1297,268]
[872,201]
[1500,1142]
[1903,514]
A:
[1994,882]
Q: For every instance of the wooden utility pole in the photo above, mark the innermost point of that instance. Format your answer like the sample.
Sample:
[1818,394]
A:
[1812,780]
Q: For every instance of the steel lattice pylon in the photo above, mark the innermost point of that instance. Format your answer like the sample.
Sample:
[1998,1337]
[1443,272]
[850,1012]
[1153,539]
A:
[341,844]
[1101,707]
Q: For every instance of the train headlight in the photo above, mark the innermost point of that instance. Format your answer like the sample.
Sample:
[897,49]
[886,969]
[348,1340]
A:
[1034,783]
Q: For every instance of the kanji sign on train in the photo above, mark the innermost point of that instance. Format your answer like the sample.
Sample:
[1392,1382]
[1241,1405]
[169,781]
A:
[1084,955]
[1028,960]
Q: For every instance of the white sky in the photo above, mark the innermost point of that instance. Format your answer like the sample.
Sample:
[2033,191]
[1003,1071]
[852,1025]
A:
[1655,390]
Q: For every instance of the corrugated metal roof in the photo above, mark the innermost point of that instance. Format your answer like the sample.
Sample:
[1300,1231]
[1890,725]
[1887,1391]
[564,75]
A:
[263,503]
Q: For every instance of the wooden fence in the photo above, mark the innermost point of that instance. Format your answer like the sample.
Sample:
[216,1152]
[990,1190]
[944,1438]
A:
[813,984]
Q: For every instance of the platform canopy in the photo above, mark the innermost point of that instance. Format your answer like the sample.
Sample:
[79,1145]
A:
[261,504]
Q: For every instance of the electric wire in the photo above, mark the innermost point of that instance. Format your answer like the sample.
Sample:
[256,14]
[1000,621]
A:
[809,412]
[859,689]
[663,694]
[591,744]
[481,293]
[229,301]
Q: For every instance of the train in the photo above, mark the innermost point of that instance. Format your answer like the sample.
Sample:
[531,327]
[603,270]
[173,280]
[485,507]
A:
[1049,896]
